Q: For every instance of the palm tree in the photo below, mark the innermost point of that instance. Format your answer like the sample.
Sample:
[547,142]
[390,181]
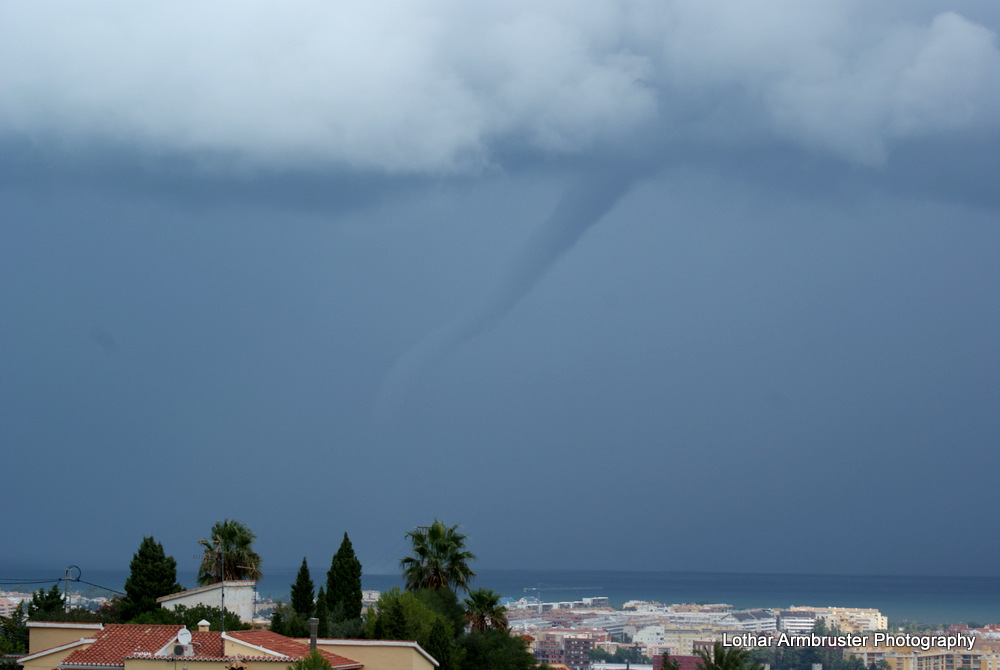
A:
[483,611]
[229,553]
[439,559]
[722,658]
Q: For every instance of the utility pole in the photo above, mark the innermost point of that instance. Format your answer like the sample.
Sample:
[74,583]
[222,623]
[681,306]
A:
[222,559]
[67,578]
[66,574]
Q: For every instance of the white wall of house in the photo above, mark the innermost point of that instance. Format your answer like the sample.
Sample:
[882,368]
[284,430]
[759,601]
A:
[239,596]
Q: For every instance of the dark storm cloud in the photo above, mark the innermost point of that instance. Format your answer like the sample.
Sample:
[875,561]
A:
[668,267]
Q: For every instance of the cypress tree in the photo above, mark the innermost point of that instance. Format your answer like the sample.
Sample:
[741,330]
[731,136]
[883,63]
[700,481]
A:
[378,630]
[343,583]
[439,644]
[153,574]
[302,592]
[322,613]
[395,622]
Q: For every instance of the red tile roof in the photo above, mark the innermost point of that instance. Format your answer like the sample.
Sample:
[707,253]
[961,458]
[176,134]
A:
[207,644]
[293,649]
[117,641]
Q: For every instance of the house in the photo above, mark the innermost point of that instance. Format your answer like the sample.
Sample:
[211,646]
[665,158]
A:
[70,646]
[381,653]
[240,597]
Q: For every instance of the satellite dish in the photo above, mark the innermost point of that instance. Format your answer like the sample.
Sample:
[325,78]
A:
[184,636]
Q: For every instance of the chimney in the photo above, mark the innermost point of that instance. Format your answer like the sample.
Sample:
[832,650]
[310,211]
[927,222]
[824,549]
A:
[313,629]
[203,626]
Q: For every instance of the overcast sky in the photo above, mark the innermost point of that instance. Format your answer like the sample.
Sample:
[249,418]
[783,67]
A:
[682,285]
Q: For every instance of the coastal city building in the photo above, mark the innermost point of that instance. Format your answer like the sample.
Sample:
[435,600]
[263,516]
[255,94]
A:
[915,658]
[7,606]
[560,633]
[797,621]
[848,619]
[755,621]
[567,646]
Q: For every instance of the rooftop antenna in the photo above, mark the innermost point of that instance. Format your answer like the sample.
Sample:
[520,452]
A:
[220,556]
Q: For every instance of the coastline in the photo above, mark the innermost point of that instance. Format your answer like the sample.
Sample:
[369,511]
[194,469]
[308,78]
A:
[923,599]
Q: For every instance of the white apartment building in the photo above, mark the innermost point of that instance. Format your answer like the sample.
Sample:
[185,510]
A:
[752,621]
[797,621]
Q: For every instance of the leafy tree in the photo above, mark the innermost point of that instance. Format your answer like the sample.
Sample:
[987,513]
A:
[14,632]
[302,592]
[629,655]
[723,658]
[796,658]
[444,603]
[228,553]
[483,610]
[343,583]
[347,629]
[279,619]
[286,621]
[73,615]
[153,574]
[667,663]
[111,610]
[8,647]
[314,661]
[190,616]
[439,559]
[599,654]
[495,650]
[400,615]
[44,604]
[162,616]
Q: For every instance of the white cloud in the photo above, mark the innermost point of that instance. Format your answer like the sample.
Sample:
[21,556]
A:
[913,81]
[951,82]
[437,86]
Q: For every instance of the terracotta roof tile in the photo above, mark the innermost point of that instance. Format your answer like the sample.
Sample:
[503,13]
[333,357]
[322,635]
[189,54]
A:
[117,641]
[293,649]
[207,644]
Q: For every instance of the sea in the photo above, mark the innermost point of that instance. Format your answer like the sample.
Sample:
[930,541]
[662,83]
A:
[922,599]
